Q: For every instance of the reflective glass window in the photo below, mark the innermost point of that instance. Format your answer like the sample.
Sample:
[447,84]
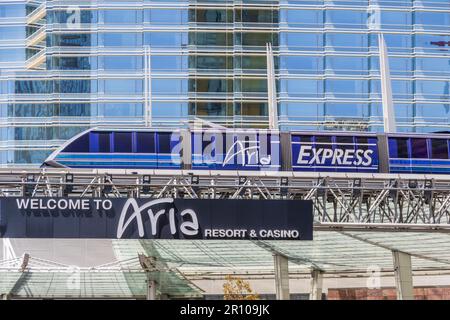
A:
[74,86]
[432,20]
[119,86]
[346,87]
[12,10]
[71,40]
[166,16]
[302,41]
[169,86]
[211,15]
[12,33]
[302,87]
[122,16]
[169,109]
[126,39]
[123,109]
[346,64]
[346,18]
[401,20]
[211,62]
[347,41]
[168,62]
[301,64]
[302,18]
[419,148]
[145,142]
[123,142]
[439,148]
[165,39]
[122,63]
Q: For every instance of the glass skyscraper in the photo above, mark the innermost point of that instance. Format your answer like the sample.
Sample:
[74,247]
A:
[66,66]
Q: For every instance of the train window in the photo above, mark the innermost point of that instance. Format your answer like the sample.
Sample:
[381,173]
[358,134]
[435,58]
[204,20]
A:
[323,139]
[123,142]
[104,142]
[164,142]
[305,138]
[402,147]
[344,143]
[419,148]
[79,145]
[145,142]
[362,143]
[439,149]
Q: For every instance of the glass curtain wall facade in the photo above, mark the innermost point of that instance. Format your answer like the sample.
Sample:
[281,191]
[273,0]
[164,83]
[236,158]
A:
[66,66]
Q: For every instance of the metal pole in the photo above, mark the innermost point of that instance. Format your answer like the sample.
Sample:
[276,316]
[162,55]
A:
[151,289]
[281,277]
[316,285]
[403,275]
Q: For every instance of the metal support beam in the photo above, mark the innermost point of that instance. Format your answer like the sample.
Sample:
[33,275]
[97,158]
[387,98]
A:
[271,89]
[281,277]
[403,275]
[151,289]
[316,285]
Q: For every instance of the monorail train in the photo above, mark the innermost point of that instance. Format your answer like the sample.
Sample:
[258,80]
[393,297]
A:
[255,150]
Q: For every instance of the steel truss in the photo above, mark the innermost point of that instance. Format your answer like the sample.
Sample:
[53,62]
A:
[341,201]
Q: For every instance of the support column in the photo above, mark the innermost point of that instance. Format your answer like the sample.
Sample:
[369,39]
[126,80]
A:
[403,275]
[151,290]
[316,285]
[281,277]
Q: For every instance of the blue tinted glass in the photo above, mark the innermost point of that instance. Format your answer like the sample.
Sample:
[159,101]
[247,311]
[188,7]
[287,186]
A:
[122,63]
[168,62]
[347,65]
[347,41]
[79,145]
[12,33]
[120,86]
[346,88]
[122,16]
[432,20]
[127,39]
[396,20]
[301,18]
[303,88]
[346,18]
[166,16]
[123,109]
[123,142]
[300,64]
[172,86]
[12,10]
[164,145]
[302,41]
[165,39]
[169,109]
[145,142]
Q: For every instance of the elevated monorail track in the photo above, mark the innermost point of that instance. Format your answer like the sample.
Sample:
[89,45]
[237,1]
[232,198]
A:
[342,201]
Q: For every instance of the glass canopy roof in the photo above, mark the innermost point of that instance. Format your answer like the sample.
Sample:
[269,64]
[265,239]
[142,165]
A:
[177,260]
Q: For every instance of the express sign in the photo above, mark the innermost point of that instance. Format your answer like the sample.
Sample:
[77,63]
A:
[317,156]
[164,218]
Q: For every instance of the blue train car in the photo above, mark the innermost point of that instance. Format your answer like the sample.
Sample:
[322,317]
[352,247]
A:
[236,150]
[334,152]
[119,149]
[419,153]
[258,150]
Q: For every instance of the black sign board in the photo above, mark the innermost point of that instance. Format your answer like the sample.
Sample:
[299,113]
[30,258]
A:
[164,218]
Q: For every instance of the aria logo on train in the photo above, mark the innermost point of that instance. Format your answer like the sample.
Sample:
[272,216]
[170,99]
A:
[309,155]
[246,156]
